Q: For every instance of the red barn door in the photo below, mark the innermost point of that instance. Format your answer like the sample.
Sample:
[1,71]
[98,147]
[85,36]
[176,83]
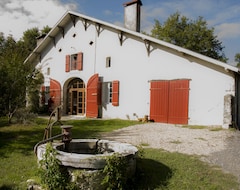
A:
[93,96]
[169,101]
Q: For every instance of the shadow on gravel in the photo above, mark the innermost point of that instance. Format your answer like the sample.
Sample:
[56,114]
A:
[229,158]
[151,174]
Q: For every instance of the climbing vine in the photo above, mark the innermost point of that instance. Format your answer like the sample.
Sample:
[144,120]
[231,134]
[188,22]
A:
[52,174]
[115,172]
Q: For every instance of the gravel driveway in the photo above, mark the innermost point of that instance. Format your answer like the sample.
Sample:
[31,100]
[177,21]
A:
[219,147]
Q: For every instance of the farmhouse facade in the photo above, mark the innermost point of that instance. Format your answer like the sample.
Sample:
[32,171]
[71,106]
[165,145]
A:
[96,69]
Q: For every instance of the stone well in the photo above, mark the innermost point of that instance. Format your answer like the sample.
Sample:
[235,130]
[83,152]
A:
[86,157]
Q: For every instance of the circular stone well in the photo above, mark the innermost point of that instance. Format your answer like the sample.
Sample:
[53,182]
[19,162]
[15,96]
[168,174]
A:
[88,155]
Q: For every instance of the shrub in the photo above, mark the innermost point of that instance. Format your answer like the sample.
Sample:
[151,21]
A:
[24,116]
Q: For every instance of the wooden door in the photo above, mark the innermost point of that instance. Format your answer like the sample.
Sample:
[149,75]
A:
[159,101]
[169,101]
[55,92]
[93,96]
[76,97]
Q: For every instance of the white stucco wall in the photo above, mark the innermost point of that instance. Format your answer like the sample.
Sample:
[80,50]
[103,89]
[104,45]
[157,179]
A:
[131,65]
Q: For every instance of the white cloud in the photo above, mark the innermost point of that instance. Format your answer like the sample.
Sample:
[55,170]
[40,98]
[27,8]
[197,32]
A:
[228,30]
[16,16]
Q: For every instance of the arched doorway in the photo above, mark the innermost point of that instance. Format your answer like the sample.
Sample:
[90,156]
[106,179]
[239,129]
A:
[76,97]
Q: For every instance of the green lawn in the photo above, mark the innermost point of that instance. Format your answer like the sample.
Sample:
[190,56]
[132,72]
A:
[157,169]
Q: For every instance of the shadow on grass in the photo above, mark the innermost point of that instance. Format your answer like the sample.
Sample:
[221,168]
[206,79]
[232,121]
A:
[151,174]
[7,187]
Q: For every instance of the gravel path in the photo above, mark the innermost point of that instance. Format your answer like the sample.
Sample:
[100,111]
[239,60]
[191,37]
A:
[221,147]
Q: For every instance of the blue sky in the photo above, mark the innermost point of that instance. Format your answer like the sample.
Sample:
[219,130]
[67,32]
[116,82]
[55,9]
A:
[16,16]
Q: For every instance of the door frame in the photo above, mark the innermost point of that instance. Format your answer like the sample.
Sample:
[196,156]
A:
[77,86]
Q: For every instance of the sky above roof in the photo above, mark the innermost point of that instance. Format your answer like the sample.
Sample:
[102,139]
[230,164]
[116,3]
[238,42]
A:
[17,16]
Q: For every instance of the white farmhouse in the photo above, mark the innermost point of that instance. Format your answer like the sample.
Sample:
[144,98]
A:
[96,69]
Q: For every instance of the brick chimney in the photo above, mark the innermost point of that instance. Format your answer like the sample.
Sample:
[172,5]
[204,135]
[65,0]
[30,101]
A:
[132,15]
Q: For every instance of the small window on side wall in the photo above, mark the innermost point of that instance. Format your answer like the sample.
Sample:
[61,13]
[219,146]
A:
[48,71]
[108,62]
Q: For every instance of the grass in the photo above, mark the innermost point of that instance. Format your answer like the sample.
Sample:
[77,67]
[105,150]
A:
[160,169]
[216,128]
[157,169]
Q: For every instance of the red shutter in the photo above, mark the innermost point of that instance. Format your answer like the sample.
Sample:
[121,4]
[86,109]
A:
[92,96]
[67,64]
[55,92]
[80,61]
[43,94]
[115,93]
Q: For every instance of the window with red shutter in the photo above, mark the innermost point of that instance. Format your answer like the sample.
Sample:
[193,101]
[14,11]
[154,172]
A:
[115,93]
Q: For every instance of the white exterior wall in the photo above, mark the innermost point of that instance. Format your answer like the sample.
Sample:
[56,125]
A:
[131,65]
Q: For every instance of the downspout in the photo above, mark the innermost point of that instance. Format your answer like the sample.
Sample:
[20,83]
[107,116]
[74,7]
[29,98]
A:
[95,53]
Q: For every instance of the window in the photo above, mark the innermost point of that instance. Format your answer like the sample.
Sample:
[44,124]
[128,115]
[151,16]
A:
[108,62]
[74,62]
[111,92]
[48,71]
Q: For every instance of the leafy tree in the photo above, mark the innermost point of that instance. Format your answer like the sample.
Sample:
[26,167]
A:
[237,59]
[13,76]
[16,76]
[189,34]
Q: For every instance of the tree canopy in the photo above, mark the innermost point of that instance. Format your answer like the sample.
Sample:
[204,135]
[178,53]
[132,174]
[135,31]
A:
[237,59]
[190,34]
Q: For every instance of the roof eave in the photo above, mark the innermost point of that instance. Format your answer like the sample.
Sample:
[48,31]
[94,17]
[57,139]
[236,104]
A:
[144,37]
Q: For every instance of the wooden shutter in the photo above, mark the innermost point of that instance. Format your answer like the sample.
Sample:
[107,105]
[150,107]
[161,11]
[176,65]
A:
[115,93]
[92,96]
[80,61]
[43,94]
[67,64]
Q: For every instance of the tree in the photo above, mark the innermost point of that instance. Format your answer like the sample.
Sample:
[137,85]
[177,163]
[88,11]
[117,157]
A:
[237,59]
[16,76]
[29,40]
[45,29]
[189,34]
[13,76]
